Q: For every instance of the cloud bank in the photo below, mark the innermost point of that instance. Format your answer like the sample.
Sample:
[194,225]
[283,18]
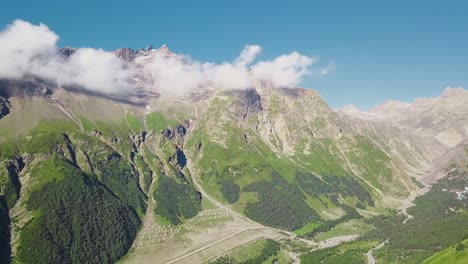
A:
[179,74]
[28,49]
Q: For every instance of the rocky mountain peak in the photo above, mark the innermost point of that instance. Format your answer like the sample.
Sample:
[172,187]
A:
[163,48]
[165,51]
[126,54]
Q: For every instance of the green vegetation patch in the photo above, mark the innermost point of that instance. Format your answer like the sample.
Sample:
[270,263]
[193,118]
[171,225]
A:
[306,229]
[373,161]
[258,252]
[157,122]
[134,123]
[457,254]
[42,139]
[324,157]
[46,136]
[347,253]
[53,168]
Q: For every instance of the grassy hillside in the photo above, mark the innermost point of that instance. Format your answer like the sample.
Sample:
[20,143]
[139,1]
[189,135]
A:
[456,254]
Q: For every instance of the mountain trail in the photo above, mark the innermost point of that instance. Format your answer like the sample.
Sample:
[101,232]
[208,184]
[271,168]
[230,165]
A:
[370,256]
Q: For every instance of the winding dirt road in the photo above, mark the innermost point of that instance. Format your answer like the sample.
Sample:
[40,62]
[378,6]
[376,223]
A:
[370,257]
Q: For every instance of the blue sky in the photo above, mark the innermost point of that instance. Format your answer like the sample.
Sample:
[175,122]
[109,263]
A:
[382,49]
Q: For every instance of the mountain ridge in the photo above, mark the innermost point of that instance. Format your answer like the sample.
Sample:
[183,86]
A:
[239,143]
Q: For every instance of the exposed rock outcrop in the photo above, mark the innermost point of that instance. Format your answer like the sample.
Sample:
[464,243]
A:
[177,133]
[4,107]
[26,87]
[126,54]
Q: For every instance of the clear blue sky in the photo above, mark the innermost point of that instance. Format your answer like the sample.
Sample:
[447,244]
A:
[382,49]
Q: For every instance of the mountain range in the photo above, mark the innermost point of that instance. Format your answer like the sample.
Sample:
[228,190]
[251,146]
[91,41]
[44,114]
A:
[156,176]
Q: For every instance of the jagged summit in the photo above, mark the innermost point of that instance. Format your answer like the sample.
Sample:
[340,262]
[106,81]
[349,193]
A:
[129,55]
[126,54]
[165,51]
[164,48]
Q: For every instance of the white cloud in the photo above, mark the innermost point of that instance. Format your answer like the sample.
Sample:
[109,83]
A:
[330,68]
[23,47]
[173,74]
[285,70]
[178,75]
[27,49]
[96,69]
[248,54]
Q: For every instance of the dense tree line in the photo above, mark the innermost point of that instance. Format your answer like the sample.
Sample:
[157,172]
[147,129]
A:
[119,176]
[283,205]
[5,248]
[77,220]
[280,204]
[176,200]
[333,187]
[230,191]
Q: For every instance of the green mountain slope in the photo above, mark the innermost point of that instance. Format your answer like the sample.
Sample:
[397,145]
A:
[77,189]
[248,143]
[456,254]
[76,168]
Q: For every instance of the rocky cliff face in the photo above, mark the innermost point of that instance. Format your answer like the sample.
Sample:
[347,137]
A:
[4,107]
[27,87]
